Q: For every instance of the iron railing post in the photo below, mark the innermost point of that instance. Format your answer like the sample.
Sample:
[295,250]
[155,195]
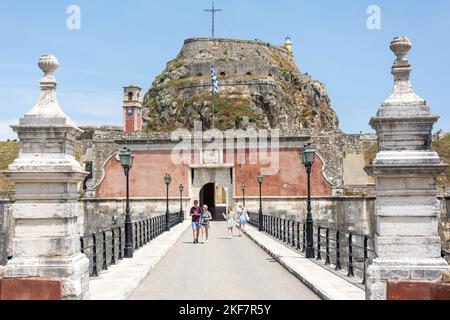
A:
[338,251]
[113,247]
[350,255]
[94,255]
[366,256]
[319,256]
[304,238]
[327,258]
[82,244]
[120,244]
[105,263]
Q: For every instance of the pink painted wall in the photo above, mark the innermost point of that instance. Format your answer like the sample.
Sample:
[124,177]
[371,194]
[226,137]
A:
[146,176]
[291,179]
[149,168]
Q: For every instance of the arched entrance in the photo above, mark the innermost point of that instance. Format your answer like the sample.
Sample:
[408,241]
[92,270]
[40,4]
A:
[214,196]
[208,196]
[213,182]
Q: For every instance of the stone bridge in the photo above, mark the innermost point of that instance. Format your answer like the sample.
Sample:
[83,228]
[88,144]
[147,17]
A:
[59,253]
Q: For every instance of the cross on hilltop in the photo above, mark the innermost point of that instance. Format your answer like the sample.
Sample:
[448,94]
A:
[213,13]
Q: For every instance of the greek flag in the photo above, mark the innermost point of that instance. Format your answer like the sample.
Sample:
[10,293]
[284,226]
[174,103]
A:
[215,81]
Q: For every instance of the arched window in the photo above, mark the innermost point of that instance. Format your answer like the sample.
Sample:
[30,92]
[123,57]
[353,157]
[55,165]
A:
[249,73]
[130,96]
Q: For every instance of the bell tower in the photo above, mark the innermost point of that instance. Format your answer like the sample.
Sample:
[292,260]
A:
[132,109]
[288,44]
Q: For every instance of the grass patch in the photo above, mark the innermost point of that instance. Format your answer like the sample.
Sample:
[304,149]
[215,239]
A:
[370,153]
[9,151]
[442,147]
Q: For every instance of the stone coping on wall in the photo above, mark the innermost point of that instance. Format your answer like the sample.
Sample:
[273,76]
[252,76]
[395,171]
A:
[155,136]
[134,199]
[241,41]
[235,198]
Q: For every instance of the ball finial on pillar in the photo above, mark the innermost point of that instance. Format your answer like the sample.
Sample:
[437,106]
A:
[48,64]
[401,46]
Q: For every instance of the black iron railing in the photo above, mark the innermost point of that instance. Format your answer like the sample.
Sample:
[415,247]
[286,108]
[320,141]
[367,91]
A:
[343,250]
[106,247]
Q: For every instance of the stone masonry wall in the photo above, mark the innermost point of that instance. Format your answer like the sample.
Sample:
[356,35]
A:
[444,222]
[343,213]
[101,214]
[6,227]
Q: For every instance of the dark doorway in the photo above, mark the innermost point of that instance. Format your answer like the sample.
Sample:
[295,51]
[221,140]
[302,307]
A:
[208,197]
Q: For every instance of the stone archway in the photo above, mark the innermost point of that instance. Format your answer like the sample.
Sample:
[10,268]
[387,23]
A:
[207,196]
[221,176]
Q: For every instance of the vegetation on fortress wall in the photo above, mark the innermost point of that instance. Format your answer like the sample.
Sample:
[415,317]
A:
[9,151]
[441,146]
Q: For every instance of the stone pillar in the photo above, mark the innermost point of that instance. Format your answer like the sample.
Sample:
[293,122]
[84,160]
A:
[406,237]
[47,177]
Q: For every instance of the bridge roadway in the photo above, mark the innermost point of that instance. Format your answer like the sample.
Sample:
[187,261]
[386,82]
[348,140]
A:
[223,269]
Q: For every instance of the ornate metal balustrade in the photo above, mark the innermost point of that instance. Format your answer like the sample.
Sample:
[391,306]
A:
[338,249]
[106,247]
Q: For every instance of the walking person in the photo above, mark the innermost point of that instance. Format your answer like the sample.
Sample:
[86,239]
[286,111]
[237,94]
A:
[243,218]
[205,218]
[229,217]
[195,214]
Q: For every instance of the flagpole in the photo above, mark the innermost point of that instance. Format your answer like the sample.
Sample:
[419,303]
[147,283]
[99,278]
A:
[213,104]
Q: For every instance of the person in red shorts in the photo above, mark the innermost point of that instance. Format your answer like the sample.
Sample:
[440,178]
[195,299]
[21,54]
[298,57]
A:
[195,214]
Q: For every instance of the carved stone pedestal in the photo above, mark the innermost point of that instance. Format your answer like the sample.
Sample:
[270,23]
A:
[47,178]
[406,209]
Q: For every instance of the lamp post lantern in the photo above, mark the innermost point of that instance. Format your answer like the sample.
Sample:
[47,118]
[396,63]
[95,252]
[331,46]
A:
[167,180]
[126,160]
[181,188]
[308,155]
[243,193]
[260,178]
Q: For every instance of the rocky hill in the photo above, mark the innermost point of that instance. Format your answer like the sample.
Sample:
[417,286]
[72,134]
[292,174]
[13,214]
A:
[260,87]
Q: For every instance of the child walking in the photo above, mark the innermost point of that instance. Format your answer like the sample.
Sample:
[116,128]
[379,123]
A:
[229,217]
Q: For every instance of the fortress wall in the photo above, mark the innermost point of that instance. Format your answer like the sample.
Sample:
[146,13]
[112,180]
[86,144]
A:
[146,176]
[6,227]
[444,222]
[101,214]
[290,180]
[344,213]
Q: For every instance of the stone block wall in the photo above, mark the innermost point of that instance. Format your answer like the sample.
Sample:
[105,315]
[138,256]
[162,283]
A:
[444,223]
[343,213]
[101,214]
[6,227]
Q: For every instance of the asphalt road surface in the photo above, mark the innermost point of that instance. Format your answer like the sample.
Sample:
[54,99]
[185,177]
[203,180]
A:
[223,269]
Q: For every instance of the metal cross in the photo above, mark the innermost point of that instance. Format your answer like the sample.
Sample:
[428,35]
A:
[213,13]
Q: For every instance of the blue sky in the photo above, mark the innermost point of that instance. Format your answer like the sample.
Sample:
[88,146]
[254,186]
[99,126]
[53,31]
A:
[129,42]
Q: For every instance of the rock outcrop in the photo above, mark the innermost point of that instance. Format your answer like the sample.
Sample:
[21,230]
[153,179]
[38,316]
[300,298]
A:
[260,87]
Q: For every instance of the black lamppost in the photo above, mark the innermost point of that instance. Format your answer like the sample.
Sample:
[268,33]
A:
[243,193]
[181,188]
[308,155]
[126,159]
[260,181]
[167,180]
